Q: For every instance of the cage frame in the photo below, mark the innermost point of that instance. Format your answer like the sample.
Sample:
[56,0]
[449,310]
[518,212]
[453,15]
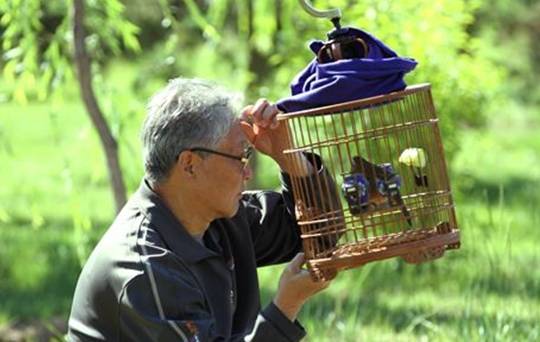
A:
[431,245]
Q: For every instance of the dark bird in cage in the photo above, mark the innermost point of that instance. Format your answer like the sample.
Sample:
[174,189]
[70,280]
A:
[372,186]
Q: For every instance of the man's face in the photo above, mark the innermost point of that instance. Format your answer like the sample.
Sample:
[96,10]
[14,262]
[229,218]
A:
[225,177]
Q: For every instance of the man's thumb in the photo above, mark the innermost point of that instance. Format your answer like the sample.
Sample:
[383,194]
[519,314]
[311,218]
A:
[296,264]
[248,131]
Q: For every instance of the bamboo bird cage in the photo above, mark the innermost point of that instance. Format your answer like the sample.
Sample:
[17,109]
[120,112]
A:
[387,191]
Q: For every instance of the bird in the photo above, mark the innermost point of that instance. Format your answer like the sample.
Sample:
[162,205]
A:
[383,184]
[416,158]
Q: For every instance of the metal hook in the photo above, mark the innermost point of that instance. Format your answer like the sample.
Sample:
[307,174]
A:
[330,14]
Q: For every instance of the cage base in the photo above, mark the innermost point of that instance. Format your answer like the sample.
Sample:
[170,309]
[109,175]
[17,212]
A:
[430,246]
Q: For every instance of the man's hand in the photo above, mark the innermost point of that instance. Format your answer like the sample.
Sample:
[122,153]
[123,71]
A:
[296,287]
[271,137]
[260,125]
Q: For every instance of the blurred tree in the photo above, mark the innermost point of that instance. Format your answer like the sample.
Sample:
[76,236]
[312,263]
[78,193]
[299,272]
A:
[254,46]
[513,30]
[258,47]
[38,49]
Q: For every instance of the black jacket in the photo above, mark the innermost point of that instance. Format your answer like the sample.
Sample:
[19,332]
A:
[149,280]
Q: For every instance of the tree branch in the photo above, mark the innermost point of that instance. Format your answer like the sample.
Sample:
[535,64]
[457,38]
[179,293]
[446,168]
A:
[108,142]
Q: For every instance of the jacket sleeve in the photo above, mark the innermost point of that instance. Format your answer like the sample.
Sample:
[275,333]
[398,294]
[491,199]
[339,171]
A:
[166,304]
[272,325]
[271,215]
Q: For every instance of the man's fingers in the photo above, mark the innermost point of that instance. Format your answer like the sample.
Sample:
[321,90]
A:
[258,111]
[309,286]
[260,105]
[275,122]
[262,113]
[247,114]
[269,114]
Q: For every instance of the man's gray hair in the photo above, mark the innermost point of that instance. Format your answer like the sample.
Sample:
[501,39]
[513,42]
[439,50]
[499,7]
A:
[185,114]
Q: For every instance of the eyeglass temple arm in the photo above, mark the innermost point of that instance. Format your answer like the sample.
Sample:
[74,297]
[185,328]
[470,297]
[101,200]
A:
[333,14]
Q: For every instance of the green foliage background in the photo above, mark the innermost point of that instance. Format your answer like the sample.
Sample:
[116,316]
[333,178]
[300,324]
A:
[481,58]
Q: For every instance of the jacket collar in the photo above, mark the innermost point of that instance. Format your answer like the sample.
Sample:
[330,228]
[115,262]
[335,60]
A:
[161,218]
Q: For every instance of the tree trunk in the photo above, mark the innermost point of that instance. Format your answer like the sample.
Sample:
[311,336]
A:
[108,142]
[259,64]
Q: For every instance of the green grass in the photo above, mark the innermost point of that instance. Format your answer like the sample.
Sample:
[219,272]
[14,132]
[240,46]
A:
[55,203]
[487,290]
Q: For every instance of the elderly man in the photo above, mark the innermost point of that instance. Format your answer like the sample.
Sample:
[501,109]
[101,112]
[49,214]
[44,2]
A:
[179,262]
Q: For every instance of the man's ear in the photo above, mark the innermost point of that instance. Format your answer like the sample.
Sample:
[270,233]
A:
[187,163]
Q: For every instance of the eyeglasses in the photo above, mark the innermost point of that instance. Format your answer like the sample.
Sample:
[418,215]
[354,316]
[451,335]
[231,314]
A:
[243,158]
